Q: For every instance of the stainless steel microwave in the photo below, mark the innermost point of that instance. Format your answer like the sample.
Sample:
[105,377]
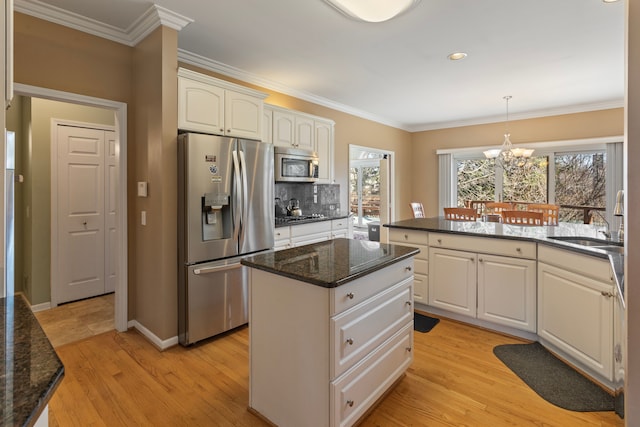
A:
[295,165]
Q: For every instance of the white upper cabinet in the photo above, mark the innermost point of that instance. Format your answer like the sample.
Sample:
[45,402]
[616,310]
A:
[284,128]
[210,105]
[324,147]
[305,136]
[290,128]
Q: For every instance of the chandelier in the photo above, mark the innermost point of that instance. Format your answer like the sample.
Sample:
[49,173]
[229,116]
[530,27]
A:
[507,152]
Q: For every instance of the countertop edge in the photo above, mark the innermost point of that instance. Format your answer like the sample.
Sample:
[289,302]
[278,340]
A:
[56,380]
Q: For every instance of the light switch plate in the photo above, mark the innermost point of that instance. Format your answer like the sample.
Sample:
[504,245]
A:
[142,189]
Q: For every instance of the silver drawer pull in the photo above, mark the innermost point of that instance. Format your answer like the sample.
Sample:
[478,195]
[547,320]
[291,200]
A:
[408,303]
[350,295]
[408,268]
[350,341]
[606,294]
[350,403]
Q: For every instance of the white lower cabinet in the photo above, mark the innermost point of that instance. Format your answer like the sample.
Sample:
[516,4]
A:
[575,309]
[507,291]
[282,238]
[418,239]
[482,283]
[323,356]
[452,280]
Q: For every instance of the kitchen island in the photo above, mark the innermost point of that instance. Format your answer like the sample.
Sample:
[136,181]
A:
[31,368]
[330,329]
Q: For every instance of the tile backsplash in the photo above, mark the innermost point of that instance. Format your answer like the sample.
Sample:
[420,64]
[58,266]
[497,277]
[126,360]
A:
[323,199]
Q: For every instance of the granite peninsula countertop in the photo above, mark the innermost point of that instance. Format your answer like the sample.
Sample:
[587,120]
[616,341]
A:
[31,368]
[331,263]
[539,234]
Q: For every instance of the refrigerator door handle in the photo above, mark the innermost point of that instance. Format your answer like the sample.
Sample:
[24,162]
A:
[245,192]
[237,208]
[209,270]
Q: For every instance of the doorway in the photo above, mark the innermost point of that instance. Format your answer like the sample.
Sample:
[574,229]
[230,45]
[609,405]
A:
[119,110]
[370,199]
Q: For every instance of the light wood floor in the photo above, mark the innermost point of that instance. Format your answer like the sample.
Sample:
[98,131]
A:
[78,320]
[120,379]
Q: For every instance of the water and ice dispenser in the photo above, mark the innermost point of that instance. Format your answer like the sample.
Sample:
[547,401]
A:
[216,216]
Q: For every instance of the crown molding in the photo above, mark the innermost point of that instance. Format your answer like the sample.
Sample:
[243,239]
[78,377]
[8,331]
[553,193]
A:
[153,17]
[570,109]
[224,69]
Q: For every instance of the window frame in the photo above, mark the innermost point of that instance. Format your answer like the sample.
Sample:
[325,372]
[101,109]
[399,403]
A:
[611,146]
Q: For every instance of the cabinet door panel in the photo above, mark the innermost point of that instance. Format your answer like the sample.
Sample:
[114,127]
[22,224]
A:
[575,316]
[283,129]
[507,291]
[201,107]
[243,115]
[452,280]
[324,148]
[305,136]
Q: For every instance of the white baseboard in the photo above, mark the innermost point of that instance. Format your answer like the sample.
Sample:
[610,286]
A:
[160,344]
[40,307]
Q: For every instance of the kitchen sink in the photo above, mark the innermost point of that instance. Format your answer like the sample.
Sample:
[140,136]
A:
[605,245]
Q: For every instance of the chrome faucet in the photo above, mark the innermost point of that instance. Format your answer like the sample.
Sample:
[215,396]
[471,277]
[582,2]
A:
[607,231]
[619,211]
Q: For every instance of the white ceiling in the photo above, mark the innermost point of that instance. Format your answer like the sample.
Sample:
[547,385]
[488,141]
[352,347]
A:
[552,56]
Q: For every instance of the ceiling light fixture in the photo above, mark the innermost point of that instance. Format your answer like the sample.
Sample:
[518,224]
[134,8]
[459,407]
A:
[457,56]
[372,10]
[507,152]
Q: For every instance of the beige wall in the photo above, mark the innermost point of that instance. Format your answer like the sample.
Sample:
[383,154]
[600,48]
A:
[424,163]
[155,79]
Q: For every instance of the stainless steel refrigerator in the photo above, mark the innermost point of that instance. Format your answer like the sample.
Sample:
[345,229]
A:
[225,211]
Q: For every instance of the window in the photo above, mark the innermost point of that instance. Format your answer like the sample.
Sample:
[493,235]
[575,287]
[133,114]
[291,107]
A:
[580,184]
[476,180]
[576,181]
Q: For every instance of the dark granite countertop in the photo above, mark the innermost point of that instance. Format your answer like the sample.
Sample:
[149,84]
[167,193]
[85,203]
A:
[539,234]
[332,263]
[32,370]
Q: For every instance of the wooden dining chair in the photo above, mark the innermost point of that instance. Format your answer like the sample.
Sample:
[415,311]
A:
[550,213]
[498,207]
[418,210]
[460,214]
[522,218]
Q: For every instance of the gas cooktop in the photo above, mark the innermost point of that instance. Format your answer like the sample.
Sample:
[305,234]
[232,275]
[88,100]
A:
[288,219]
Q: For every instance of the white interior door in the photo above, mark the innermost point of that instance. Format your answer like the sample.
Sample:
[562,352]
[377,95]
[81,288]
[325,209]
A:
[85,213]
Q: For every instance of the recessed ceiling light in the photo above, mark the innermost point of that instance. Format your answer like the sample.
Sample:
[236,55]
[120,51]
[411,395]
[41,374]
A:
[609,1]
[457,56]
[372,10]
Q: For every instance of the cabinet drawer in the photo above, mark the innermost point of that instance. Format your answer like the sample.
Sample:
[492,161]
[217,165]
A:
[353,393]
[597,268]
[409,236]
[281,233]
[356,332]
[354,292]
[339,224]
[313,228]
[486,245]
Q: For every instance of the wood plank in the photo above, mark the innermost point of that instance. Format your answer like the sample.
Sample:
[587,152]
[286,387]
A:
[120,379]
